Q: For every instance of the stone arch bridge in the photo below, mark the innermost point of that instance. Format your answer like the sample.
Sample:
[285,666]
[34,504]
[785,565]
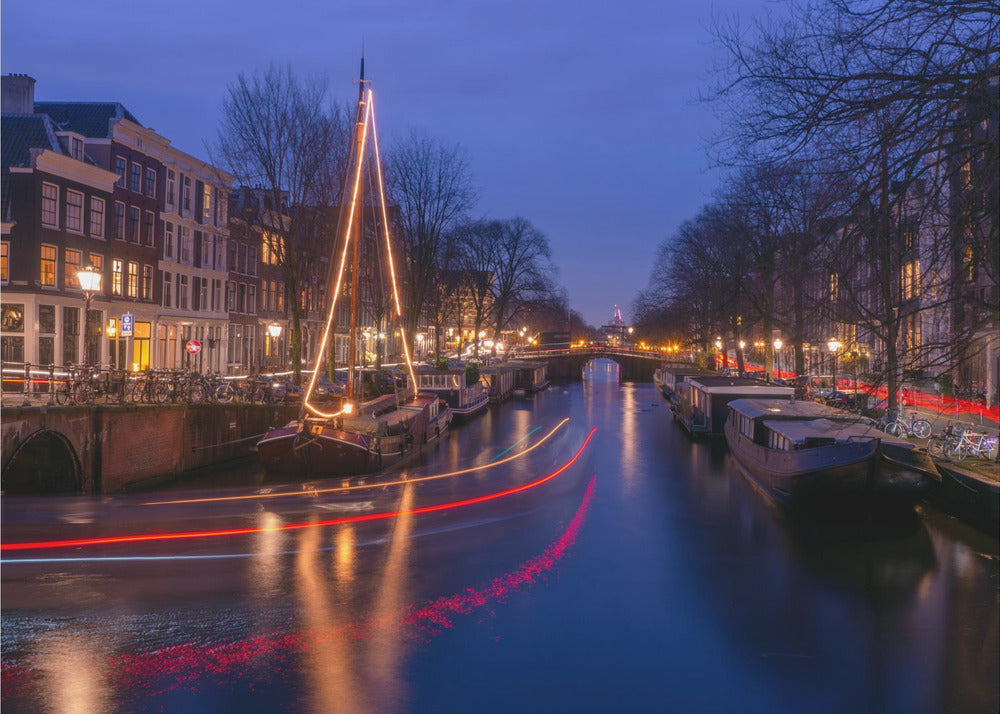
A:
[635,365]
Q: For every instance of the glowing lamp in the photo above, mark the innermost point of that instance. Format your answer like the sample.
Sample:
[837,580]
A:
[274,330]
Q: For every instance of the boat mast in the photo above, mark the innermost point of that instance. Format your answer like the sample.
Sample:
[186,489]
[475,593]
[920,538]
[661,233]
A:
[359,133]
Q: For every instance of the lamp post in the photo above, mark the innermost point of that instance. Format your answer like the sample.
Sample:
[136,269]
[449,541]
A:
[274,330]
[718,347]
[834,345]
[90,283]
[777,358]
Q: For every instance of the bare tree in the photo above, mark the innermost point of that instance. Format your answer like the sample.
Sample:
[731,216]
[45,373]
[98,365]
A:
[432,186]
[278,135]
[521,271]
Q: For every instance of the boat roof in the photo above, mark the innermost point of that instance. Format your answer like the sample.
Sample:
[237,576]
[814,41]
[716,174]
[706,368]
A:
[739,385]
[798,430]
[784,408]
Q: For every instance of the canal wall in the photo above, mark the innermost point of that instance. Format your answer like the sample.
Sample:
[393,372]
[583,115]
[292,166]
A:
[102,449]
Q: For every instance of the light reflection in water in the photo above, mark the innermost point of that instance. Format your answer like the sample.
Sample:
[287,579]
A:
[345,553]
[74,674]
[265,571]
[327,660]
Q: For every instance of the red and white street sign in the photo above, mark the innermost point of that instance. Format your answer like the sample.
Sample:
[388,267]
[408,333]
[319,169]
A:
[192,346]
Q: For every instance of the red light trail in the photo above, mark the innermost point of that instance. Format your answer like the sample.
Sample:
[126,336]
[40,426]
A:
[190,535]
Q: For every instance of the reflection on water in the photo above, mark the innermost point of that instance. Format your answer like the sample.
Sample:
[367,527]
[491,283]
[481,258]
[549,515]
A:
[654,578]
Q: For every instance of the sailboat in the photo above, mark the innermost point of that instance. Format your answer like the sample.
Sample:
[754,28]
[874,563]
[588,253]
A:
[359,433]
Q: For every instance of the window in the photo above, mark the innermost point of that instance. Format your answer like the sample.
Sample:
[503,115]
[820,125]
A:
[71,265]
[242,258]
[134,184]
[279,298]
[231,297]
[76,148]
[71,331]
[186,197]
[150,182]
[252,299]
[97,260]
[241,297]
[271,250]
[4,262]
[168,284]
[74,211]
[12,317]
[220,253]
[120,165]
[116,276]
[47,274]
[206,204]
[133,224]
[96,217]
[206,250]
[911,280]
[182,292]
[119,220]
[203,295]
[147,228]
[217,305]
[252,261]
[221,207]
[171,187]
[133,279]
[232,256]
[185,246]
[267,295]
[50,205]
[147,282]
[168,240]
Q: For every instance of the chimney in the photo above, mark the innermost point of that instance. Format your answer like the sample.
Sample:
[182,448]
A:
[18,94]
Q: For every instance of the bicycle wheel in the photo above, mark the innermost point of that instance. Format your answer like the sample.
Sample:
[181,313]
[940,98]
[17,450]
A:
[936,446]
[63,395]
[195,393]
[954,452]
[894,428]
[921,428]
[224,393]
[82,393]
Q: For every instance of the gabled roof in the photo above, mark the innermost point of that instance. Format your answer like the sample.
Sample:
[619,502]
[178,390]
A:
[23,132]
[92,119]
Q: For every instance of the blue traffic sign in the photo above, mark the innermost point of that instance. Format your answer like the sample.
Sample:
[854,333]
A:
[127,324]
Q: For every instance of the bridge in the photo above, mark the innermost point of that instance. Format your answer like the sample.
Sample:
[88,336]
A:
[635,365]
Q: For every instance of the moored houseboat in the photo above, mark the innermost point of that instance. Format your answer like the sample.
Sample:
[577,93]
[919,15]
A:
[459,387]
[499,380]
[805,453]
[666,378]
[530,377]
[702,400]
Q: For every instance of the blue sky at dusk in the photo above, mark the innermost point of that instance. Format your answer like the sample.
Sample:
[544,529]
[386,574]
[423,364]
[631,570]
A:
[578,116]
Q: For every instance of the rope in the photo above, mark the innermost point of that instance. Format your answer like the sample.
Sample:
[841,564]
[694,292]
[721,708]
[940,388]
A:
[225,443]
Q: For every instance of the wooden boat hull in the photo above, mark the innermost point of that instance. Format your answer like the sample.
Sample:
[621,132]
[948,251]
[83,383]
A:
[322,448]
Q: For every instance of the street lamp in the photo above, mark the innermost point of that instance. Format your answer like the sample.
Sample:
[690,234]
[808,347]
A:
[90,283]
[274,330]
[834,345]
[777,358]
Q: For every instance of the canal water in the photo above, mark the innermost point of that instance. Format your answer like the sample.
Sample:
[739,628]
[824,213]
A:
[604,564]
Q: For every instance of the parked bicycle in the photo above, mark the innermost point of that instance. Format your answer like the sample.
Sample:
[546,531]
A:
[972,443]
[897,426]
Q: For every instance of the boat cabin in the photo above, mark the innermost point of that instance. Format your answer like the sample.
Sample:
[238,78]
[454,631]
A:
[667,378]
[531,376]
[451,385]
[703,408]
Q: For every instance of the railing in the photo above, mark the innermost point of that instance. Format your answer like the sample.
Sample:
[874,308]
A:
[31,385]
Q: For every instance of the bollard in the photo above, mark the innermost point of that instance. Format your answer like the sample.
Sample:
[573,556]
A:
[27,385]
[52,385]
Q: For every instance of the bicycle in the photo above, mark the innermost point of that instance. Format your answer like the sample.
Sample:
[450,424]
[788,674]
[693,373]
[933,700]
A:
[896,426]
[972,443]
[940,443]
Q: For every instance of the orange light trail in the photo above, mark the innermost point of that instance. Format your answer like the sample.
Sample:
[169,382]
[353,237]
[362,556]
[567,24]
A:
[377,484]
[190,535]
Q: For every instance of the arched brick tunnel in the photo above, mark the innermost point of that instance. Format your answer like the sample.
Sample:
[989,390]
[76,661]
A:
[44,462]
